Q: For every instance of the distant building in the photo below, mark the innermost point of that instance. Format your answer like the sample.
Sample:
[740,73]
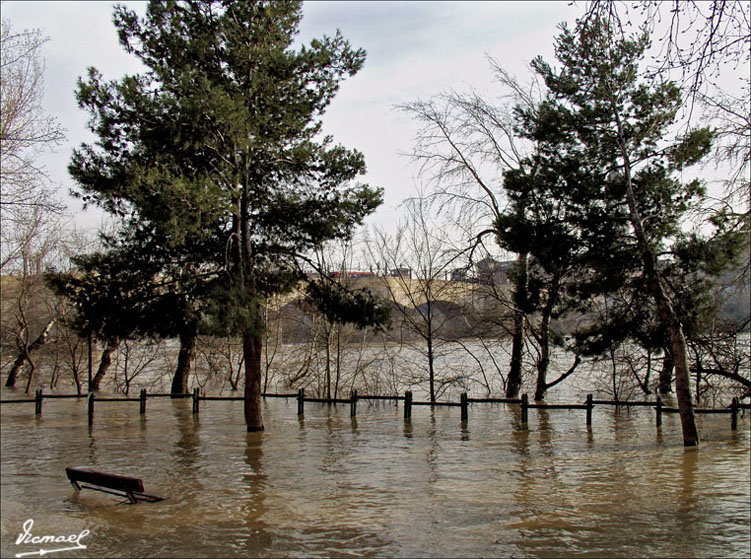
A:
[353,274]
[461,274]
[401,273]
[493,272]
[487,271]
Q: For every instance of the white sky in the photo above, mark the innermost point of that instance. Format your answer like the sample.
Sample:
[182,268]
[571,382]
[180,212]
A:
[415,50]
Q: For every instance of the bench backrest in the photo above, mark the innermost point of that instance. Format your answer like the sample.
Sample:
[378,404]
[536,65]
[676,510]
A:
[113,481]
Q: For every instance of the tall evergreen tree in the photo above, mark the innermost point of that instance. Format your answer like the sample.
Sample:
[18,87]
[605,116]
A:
[220,139]
[603,145]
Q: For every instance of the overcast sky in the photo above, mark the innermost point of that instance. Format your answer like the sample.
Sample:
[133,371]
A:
[414,50]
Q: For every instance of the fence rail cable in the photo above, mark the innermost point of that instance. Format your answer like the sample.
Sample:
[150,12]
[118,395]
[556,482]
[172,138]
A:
[624,403]
[329,400]
[436,404]
[632,403]
[558,406]
[494,400]
[660,408]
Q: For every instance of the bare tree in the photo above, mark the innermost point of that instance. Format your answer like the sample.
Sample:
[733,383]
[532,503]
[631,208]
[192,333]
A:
[340,348]
[329,354]
[25,131]
[41,244]
[74,350]
[466,143]
[29,226]
[417,263]
[133,359]
[218,359]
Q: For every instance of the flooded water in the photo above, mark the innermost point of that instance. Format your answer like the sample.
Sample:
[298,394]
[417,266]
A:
[327,485]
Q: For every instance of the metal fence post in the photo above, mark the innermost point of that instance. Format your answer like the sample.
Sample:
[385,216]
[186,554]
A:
[658,410]
[196,395]
[91,408]
[408,404]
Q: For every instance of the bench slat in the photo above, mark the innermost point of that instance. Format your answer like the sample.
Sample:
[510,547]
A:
[114,484]
[126,484]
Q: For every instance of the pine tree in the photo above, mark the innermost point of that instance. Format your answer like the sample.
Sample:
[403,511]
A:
[605,159]
[220,140]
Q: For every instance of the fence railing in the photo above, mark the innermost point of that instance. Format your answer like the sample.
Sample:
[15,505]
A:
[408,402]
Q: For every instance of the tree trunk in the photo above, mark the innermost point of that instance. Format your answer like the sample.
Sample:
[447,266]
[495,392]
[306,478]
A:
[544,339]
[32,368]
[77,380]
[671,324]
[668,317]
[543,362]
[13,375]
[680,359]
[514,384]
[431,369]
[184,359]
[666,374]
[252,346]
[22,356]
[338,375]
[252,332]
[327,380]
[104,363]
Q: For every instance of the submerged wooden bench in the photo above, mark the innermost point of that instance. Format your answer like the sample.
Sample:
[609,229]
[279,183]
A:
[122,486]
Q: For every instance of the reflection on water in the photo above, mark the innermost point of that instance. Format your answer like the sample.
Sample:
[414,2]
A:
[329,485]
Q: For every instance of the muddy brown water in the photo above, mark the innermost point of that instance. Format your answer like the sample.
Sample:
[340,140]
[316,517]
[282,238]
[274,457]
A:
[330,486]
